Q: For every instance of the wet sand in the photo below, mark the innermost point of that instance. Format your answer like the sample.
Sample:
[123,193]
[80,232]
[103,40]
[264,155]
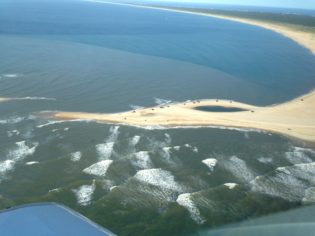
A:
[294,118]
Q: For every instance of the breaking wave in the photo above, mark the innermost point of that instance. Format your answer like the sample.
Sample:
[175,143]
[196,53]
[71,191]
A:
[15,155]
[142,160]
[105,150]
[84,194]
[287,182]
[12,120]
[239,169]
[160,101]
[135,107]
[210,162]
[75,156]
[186,201]
[159,178]
[299,155]
[99,168]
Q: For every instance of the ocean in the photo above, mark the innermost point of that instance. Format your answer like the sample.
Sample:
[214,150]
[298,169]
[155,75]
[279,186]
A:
[93,57]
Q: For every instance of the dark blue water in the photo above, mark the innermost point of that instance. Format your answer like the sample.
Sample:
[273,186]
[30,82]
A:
[83,56]
[218,109]
[88,45]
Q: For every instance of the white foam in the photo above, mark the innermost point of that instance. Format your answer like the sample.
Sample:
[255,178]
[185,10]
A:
[84,194]
[287,182]
[31,163]
[186,201]
[54,190]
[135,107]
[99,168]
[12,120]
[142,160]
[135,140]
[19,153]
[11,75]
[13,132]
[160,101]
[6,166]
[239,169]
[75,156]
[35,98]
[177,148]
[158,177]
[210,162]
[105,150]
[193,148]
[309,196]
[22,151]
[112,188]
[60,122]
[265,160]
[168,138]
[230,185]
[114,132]
[299,155]
[166,153]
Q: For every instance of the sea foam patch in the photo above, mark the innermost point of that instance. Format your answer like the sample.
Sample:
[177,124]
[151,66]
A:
[105,150]
[22,150]
[185,200]
[193,148]
[239,169]
[99,168]
[29,163]
[288,182]
[135,140]
[75,156]
[230,185]
[160,101]
[299,155]
[11,120]
[142,160]
[160,178]
[6,166]
[84,194]
[210,162]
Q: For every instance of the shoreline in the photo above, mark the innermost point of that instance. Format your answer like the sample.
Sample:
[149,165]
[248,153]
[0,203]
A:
[294,118]
[303,38]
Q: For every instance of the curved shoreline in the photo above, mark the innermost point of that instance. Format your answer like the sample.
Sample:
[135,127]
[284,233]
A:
[303,38]
[293,119]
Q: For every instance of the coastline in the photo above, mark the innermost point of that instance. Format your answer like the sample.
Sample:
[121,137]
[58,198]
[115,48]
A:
[294,118]
[303,38]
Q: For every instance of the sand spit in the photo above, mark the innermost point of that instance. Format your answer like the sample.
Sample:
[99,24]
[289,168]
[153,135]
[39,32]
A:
[4,99]
[300,36]
[294,118]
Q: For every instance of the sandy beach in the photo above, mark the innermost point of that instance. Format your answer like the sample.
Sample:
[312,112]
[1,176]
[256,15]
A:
[294,118]
[304,38]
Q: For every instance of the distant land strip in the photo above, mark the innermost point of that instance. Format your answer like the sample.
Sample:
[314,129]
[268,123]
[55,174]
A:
[300,29]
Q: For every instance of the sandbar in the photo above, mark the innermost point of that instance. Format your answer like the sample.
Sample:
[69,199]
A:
[294,118]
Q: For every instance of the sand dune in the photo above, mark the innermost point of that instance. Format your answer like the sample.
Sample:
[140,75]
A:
[294,118]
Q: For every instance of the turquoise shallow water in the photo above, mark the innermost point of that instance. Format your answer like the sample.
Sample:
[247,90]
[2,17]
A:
[80,56]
